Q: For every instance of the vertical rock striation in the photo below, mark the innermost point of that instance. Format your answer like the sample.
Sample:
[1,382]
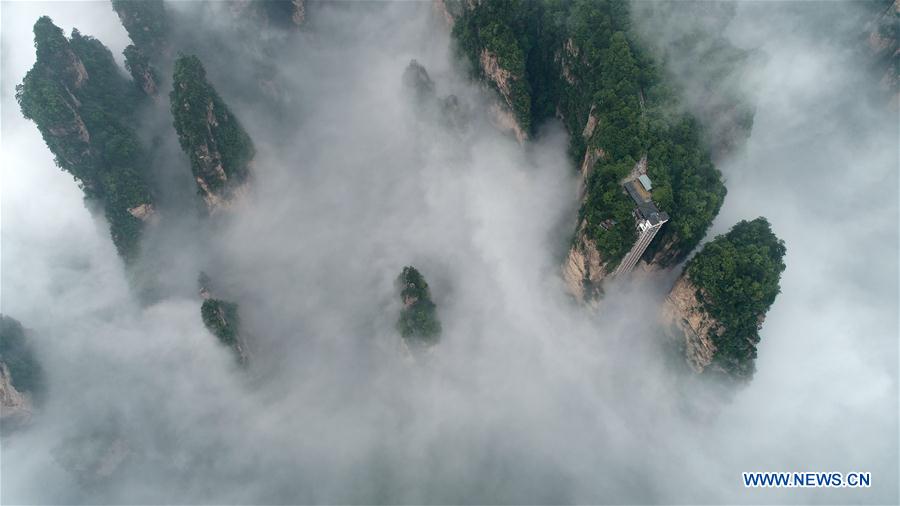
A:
[719,303]
[582,62]
[148,26]
[883,39]
[221,318]
[21,376]
[220,150]
[86,110]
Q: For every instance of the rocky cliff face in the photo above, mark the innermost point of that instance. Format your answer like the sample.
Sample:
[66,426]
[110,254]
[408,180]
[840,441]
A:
[719,303]
[142,71]
[220,150]
[616,100]
[584,268]
[883,40]
[21,377]
[100,149]
[15,407]
[447,9]
[148,26]
[685,320]
[221,318]
[497,57]
[506,82]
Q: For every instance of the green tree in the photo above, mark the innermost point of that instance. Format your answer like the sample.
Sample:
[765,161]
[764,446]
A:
[737,278]
[26,374]
[85,109]
[207,130]
[418,321]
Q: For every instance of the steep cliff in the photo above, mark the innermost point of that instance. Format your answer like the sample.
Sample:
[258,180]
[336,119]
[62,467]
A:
[495,37]
[686,320]
[583,62]
[418,323]
[143,72]
[883,39]
[719,303]
[584,267]
[148,26]
[221,318]
[86,110]
[21,376]
[220,150]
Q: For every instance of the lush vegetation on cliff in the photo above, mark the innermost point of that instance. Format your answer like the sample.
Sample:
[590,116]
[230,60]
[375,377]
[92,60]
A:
[221,318]
[503,30]
[418,319]
[582,59]
[207,130]
[147,24]
[85,109]
[737,278]
[25,372]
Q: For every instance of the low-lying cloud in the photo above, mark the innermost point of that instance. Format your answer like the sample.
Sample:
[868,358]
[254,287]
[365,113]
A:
[528,398]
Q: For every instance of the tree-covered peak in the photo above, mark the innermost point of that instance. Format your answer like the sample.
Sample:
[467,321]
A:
[85,109]
[146,22]
[189,68]
[737,279]
[418,321]
[219,147]
[17,356]
[49,39]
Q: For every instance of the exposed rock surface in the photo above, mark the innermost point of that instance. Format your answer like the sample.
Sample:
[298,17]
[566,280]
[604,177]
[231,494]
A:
[502,116]
[21,377]
[143,212]
[684,319]
[584,268]
[444,9]
[718,305]
[220,150]
[85,110]
[500,76]
[148,27]
[221,318]
[142,71]
[147,24]
[505,121]
[609,90]
[884,43]
[14,405]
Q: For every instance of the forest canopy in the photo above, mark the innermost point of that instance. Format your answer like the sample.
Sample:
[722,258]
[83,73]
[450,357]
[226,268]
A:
[737,278]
